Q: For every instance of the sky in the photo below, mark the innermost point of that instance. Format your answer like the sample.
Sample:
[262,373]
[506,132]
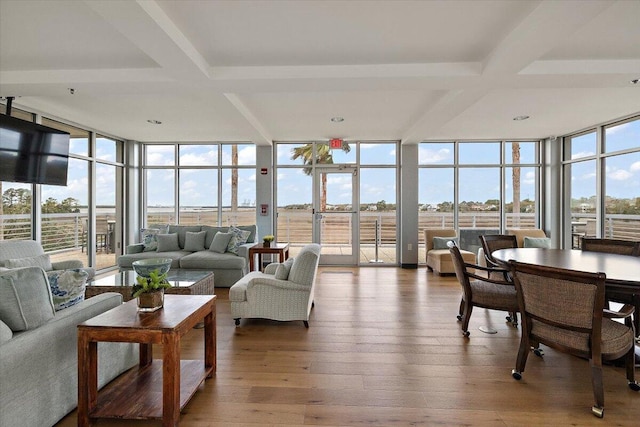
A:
[198,187]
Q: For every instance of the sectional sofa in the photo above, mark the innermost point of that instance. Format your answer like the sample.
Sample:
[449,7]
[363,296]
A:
[227,267]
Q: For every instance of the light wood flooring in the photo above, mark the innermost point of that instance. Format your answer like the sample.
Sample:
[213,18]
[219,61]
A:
[384,349]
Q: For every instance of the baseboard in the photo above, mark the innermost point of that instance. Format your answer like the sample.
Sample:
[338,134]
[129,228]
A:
[410,266]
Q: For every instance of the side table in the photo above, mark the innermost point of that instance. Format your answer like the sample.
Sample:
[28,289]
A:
[155,389]
[281,249]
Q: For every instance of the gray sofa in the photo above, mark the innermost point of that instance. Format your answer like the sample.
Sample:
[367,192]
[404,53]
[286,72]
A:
[39,366]
[227,267]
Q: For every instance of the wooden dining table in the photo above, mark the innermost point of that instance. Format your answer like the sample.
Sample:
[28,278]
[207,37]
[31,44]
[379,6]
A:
[623,271]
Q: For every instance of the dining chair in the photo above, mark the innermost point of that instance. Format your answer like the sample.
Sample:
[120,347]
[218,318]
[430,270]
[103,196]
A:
[564,309]
[494,242]
[620,247]
[611,246]
[485,292]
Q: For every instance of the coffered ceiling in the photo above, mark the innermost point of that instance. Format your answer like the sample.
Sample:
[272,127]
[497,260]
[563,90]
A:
[280,70]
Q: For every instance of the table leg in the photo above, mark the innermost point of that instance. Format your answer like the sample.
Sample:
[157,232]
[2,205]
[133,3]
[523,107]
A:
[146,354]
[87,379]
[171,380]
[251,261]
[210,359]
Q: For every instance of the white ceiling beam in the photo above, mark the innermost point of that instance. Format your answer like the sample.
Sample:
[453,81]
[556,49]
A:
[448,107]
[591,66]
[262,136]
[347,71]
[148,27]
[548,24]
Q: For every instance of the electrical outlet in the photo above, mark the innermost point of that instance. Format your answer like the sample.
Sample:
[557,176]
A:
[410,246]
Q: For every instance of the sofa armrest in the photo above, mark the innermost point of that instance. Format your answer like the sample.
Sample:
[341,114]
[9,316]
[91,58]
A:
[134,249]
[275,283]
[67,265]
[243,250]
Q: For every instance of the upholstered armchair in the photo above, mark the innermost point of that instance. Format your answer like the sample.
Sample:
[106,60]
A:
[282,292]
[438,256]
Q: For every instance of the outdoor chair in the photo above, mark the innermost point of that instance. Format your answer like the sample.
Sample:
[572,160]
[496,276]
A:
[564,310]
[478,291]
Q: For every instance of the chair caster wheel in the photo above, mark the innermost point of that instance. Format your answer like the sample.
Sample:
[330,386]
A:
[515,374]
[538,352]
[509,319]
[597,411]
[634,386]
[459,317]
[466,333]
[237,322]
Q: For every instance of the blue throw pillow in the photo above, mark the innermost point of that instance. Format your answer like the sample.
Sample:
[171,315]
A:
[537,242]
[441,242]
[67,287]
[150,239]
[238,238]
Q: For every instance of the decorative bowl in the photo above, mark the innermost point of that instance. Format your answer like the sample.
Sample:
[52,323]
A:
[145,266]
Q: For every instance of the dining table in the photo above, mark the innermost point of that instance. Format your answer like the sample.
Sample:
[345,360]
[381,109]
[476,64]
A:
[623,271]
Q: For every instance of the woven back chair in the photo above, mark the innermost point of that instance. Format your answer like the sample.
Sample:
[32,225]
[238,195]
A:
[494,242]
[564,309]
[480,291]
[620,247]
[611,246]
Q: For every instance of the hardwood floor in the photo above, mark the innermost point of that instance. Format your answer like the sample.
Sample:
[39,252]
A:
[384,349]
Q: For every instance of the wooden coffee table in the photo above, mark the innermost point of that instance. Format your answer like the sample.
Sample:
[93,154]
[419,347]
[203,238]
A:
[140,393]
[183,282]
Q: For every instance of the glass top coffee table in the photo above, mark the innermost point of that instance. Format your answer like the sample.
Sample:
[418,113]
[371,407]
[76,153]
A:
[183,282]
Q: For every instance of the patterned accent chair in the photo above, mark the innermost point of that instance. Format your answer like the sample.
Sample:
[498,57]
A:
[283,292]
[564,309]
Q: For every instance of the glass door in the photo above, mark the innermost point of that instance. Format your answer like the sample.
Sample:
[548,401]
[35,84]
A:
[335,222]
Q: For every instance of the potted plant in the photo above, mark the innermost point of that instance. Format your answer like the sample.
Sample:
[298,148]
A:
[266,240]
[150,291]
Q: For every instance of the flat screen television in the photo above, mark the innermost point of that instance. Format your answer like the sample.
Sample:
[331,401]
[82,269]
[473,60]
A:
[32,153]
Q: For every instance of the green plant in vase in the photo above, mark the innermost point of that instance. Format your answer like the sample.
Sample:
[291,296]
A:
[150,290]
[154,282]
[266,240]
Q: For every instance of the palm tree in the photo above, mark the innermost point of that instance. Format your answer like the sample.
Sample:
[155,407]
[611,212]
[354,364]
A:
[324,156]
[234,181]
[515,175]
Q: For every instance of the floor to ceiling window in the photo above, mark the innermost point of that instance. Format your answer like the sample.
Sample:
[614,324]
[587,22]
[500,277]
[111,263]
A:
[343,197]
[607,157]
[477,187]
[192,184]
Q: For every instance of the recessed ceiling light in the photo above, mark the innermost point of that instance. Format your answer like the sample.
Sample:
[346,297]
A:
[337,119]
[154,122]
[519,118]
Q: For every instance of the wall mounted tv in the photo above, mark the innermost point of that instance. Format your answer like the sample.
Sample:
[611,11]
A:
[32,153]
